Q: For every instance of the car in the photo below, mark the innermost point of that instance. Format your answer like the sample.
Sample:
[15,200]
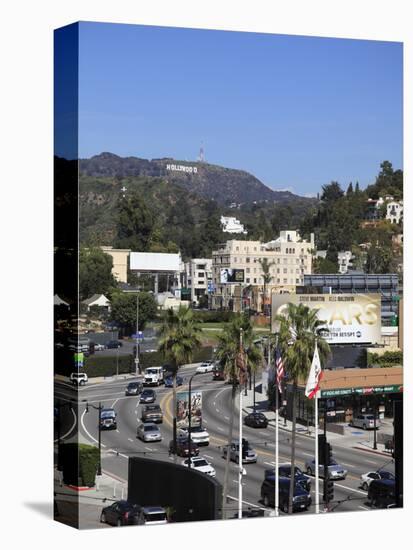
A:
[152,413]
[335,470]
[256,420]
[382,493]
[148,431]
[218,373]
[108,419]
[134,388]
[206,366]
[198,434]
[113,344]
[284,470]
[121,513]
[78,378]
[248,453]
[365,421]
[169,381]
[367,478]
[147,396]
[200,464]
[182,447]
[153,515]
[98,347]
[301,497]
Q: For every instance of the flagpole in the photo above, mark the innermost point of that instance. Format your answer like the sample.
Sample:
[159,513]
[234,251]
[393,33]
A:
[317,491]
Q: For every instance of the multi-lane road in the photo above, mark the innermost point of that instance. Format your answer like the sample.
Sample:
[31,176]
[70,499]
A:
[118,445]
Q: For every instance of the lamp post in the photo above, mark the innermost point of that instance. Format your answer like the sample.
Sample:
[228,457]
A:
[137,369]
[375,423]
[99,408]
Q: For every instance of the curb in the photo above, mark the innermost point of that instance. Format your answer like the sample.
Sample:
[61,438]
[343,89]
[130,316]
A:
[381,453]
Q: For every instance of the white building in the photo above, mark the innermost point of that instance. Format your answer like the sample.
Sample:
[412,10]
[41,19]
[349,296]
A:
[345,261]
[394,211]
[197,277]
[290,258]
[232,225]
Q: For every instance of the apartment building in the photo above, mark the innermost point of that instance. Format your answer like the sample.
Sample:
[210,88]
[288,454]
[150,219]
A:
[197,278]
[289,256]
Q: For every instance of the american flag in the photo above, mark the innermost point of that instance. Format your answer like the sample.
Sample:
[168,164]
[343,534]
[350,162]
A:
[279,369]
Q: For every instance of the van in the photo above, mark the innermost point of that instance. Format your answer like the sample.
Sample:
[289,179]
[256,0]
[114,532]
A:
[365,421]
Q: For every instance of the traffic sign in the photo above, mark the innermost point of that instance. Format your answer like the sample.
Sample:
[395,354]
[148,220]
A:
[138,336]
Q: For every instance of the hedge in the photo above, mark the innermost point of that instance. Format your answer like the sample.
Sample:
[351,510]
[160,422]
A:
[386,359]
[79,463]
[98,365]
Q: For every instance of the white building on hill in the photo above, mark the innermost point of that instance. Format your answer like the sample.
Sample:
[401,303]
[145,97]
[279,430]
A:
[232,225]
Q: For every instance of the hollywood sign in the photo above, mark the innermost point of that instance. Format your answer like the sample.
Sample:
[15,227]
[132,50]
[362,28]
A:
[182,168]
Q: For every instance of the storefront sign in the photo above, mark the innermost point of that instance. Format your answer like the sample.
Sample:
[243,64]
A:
[362,391]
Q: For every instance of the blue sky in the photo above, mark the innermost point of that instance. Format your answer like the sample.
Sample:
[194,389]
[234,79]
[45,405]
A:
[297,112]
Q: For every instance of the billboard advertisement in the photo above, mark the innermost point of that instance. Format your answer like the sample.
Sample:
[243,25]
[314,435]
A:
[229,275]
[182,408]
[349,318]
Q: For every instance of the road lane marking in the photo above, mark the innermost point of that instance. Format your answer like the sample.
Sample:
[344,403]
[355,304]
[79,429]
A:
[364,508]
[130,439]
[217,410]
[84,427]
[307,454]
[209,456]
[114,403]
[71,428]
[249,503]
[148,448]
[221,429]
[117,431]
[117,453]
[371,461]
[350,489]
[270,463]
[226,417]
[347,464]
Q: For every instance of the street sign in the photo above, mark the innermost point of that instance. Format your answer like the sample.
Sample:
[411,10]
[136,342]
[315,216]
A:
[138,336]
[79,358]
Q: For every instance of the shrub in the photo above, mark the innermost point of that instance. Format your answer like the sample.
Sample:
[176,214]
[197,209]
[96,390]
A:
[80,464]
[97,365]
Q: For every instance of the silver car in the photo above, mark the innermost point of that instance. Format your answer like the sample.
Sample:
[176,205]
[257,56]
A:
[149,431]
[365,421]
[248,453]
[335,471]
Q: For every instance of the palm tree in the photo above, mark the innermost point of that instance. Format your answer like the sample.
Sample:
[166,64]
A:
[266,277]
[228,354]
[179,338]
[298,333]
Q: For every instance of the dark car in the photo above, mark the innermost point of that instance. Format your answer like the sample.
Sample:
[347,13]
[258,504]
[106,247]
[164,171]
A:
[134,388]
[301,497]
[382,493]
[152,413]
[182,447]
[122,512]
[113,344]
[108,419]
[284,470]
[169,381]
[147,396]
[256,420]
[218,374]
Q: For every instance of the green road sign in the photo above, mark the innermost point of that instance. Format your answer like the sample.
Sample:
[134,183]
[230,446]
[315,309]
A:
[396,388]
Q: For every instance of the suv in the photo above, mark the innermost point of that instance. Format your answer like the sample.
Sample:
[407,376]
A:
[133,388]
[382,493]
[152,413]
[113,344]
[284,470]
[365,421]
[108,419]
[301,497]
[182,447]
[78,378]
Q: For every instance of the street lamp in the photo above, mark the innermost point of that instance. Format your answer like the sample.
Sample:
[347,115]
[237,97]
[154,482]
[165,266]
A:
[99,408]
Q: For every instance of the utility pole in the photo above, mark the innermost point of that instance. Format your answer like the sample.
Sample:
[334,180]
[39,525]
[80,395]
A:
[137,368]
[325,457]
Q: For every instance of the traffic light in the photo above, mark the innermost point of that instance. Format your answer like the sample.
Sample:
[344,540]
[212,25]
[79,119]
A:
[328,490]
[321,447]
[329,453]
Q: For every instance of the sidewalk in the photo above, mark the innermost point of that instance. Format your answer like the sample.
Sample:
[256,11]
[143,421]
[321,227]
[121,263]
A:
[107,489]
[353,438]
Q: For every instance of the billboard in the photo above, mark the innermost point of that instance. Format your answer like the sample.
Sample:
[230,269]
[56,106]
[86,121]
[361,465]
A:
[231,276]
[182,408]
[154,261]
[349,318]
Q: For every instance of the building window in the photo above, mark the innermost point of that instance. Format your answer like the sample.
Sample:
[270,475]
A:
[247,260]
[247,280]
[255,280]
[285,281]
[237,248]
[297,281]
[285,270]
[278,281]
[247,270]
[278,269]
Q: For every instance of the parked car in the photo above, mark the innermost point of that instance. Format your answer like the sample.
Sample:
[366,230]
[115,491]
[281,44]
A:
[134,388]
[200,464]
[367,478]
[335,470]
[382,493]
[365,421]
[108,419]
[113,344]
[169,381]
[284,470]
[256,420]
[98,347]
[198,435]
[182,447]
[248,453]
[78,378]
[121,513]
[152,413]
[301,497]
[147,396]
[206,366]
[149,431]
[153,515]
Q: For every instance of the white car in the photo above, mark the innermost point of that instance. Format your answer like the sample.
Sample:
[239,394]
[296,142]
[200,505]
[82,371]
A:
[207,366]
[78,378]
[99,347]
[367,478]
[365,421]
[198,435]
[200,464]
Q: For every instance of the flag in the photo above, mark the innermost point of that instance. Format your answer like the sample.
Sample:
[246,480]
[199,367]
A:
[279,369]
[314,377]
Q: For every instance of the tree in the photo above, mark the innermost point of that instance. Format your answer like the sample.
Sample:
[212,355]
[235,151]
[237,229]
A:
[379,259]
[95,272]
[297,336]
[123,310]
[179,338]
[266,277]
[135,223]
[227,353]
[324,265]
[349,189]
[331,192]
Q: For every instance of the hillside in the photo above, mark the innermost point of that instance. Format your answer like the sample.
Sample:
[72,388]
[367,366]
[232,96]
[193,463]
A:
[223,185]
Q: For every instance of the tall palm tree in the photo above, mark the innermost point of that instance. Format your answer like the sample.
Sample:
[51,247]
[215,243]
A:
[266,277]
[298,333]
[228,352]
[179,338]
